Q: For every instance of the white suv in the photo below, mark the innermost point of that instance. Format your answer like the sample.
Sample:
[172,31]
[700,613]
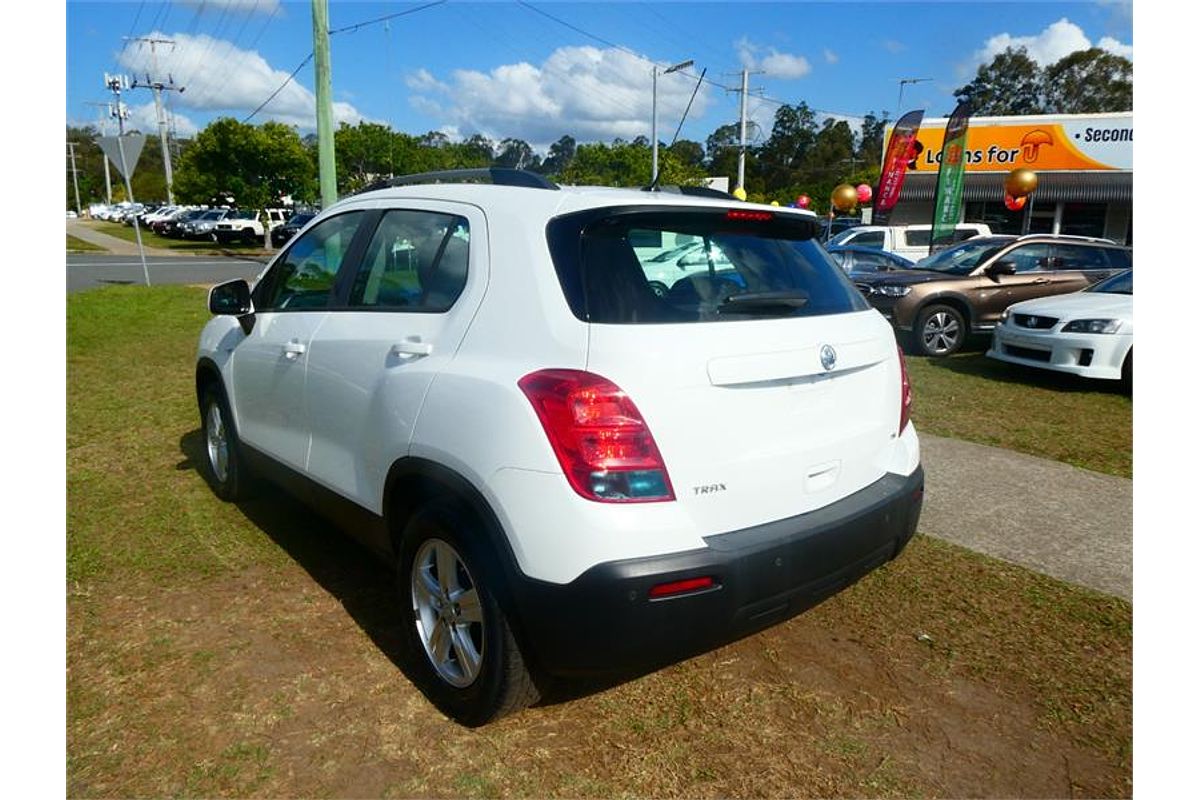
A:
[909,241]
[572,473]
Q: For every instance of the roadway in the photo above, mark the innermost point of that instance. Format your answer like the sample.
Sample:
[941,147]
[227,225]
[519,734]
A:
[89,271]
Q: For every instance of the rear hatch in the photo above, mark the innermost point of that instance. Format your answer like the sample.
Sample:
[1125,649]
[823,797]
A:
[769,385]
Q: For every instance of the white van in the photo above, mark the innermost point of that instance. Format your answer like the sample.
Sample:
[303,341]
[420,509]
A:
[910,241]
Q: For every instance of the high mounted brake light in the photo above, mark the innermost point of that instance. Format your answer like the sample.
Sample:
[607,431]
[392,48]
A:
[749,216]
[603,444]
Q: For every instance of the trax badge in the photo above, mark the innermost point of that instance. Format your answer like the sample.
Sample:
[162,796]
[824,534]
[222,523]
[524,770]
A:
[828,357]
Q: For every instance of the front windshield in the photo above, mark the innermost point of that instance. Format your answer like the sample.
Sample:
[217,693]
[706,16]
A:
[1121,283]
[213,215]
[961,259]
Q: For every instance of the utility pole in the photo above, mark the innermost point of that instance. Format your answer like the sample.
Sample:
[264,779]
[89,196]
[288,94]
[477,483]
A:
[115,84]
[742,136]
[654,115]
[112,112]
[75,178]
[327,167]
[158,87]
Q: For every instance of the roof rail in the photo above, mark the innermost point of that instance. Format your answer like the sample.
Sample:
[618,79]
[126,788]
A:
[498,176]
[690,191]
[1070,236]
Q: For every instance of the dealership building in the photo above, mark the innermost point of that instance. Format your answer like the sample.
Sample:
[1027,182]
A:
[1084,165]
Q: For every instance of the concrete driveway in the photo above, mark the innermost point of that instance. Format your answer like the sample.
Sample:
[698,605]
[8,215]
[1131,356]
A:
[1060,520]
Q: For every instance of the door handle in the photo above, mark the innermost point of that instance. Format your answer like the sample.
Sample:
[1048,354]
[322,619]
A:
[1040,281]
[293,349]
[410,348]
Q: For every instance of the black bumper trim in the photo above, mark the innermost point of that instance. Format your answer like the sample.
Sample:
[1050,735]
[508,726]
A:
[604,622]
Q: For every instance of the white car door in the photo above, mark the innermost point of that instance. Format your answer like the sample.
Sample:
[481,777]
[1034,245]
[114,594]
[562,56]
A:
[421,278]
[268,367]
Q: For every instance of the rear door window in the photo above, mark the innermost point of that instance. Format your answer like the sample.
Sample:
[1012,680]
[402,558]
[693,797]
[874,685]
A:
[917,238]
[735,268]
[1074,256]
[416,261]
[865,239]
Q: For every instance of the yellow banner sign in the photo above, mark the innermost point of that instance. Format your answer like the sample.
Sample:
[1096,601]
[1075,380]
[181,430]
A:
[1000,144]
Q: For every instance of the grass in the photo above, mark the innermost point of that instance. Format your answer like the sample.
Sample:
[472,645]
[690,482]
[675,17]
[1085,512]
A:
[1043,413]
[218,650]
[77,245]
[152,239]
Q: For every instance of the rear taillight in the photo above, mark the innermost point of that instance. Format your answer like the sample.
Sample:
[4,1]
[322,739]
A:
[603,444]
[906,395]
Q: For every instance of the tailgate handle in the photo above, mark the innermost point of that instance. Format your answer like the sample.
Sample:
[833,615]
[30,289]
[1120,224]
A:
[293,349]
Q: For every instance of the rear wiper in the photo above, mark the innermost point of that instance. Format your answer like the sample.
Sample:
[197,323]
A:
[754,301]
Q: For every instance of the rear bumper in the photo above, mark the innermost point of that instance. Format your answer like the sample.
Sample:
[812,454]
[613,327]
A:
[604,621]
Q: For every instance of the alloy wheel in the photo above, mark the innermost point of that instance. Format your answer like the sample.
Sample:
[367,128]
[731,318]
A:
[218,444]
[941,333]
[448,613]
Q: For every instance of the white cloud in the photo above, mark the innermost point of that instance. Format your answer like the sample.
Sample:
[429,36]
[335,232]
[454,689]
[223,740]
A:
[219,77]
[144,119]
[1057,40]
[830,56]
[236,6]
[586,92]
[774,63]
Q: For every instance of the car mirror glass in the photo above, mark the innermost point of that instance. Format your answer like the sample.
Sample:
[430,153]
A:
[1002,268]
[232,298]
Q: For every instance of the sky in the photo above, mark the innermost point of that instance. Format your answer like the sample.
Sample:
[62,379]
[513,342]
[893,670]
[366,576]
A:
[539,70]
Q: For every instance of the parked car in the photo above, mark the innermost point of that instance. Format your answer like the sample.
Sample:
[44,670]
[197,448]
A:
[910,241]
[832,227]
[240,224]
[1087,333]
[570,474]
[965,289]
[173,225]
[853,258]
[283,234]
[203,226]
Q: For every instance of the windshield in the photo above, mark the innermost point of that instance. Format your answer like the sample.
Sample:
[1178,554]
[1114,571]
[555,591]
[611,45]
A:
[961,259]
[213,215]
[1121,283]
[300,219]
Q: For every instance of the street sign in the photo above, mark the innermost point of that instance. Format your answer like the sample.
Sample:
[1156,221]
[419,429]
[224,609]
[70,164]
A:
[132,144]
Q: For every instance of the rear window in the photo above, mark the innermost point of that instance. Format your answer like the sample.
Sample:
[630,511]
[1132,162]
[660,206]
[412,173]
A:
[725,270]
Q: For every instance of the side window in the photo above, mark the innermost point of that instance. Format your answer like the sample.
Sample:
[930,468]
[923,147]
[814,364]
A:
[867,239]
[1080,257]
[962,234]
[416,261]
[1029,257]
[918,238]
[1118,258]
[304,275]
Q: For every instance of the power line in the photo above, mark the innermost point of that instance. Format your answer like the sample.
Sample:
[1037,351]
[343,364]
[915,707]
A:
[385,18]
[275,93]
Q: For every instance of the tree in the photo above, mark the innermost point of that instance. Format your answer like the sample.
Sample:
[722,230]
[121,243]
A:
[515,153]
[688,152]
[1010,85]
[792,136]
[256,165]
[626,164]
[559,157]
[480,147]
[1088,82]
[364,154]
[870,141]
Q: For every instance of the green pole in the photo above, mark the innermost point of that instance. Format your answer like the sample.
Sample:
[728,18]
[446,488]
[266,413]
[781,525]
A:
[324,81]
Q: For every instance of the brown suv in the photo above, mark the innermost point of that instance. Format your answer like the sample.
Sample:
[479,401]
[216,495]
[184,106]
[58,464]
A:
[966,288]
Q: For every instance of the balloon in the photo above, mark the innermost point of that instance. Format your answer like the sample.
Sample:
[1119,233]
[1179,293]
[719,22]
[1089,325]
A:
[1014,203]
[864,193]
[739,193]
[803,201]
[774,202]
[844,197]
[1021,182]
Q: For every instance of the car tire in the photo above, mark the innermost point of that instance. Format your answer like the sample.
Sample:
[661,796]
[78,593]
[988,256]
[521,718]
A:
[457,639]
[1127,370]
[940,331]
[248,235]
[659,288]
[224,467]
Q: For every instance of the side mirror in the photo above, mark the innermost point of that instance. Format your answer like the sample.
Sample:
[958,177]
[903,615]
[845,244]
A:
[1002,268]
[232,297]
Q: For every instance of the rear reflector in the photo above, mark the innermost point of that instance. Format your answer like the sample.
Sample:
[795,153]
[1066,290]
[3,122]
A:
[685,586]
[750,216]
[906,394]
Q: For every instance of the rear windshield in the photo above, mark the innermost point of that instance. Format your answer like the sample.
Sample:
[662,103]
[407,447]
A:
[639,266]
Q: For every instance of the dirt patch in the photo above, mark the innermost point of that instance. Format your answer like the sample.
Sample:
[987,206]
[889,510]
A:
[266,683]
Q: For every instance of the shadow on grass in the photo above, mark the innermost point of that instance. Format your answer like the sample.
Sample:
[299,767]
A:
[980,366]
[361,582]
